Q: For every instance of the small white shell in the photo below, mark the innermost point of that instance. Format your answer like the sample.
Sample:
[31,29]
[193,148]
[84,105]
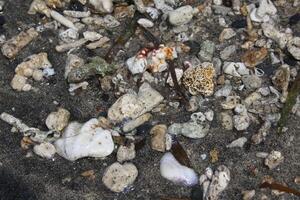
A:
[172,170]
[146,23]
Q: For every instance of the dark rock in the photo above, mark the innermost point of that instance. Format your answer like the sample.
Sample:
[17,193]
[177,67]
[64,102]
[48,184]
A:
[294,19]
[239,23]
[76,5]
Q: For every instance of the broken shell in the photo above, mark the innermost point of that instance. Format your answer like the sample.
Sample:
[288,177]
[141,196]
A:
[200,79]
[235,69]
[230,102]
[18,82]
[12,46]
[263,12]
[172,170]
[85,140]
[58,120]
[253,58]
[281,80]
[73,61]
[274,159]
[45,150]
[63,20]
[158,137]
[126,153]
[39,6]
[212,187]
[133,106]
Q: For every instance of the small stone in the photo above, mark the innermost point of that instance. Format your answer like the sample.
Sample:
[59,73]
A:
[126,153]
[226,34]
[207,51]
[224,91]
[106,83]
[239,23]
[294,47]
[261,154]
[227,52]
[253,58]
[237,143]
[241,122]
[181,15]
[218,2]
[251,82]
[226,120]
[248,194]
[131,125]
[45,150]
[209,115]
[294,19]
[117,177]
[18,82]
[214,184]
[133,106]
[274,159]
[189,129]
[214,155]
[263,12]
[235,69]
[158,137]
[58,120]
[37,75]
[146,23]
[297,180]
[92,36]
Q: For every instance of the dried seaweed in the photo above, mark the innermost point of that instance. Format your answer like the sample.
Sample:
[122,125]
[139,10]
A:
[290,102]
[180,154]
[279,187]
[123,37]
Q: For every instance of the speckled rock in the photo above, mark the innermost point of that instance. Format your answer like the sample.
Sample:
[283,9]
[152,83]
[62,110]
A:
[181,15]
[117,177]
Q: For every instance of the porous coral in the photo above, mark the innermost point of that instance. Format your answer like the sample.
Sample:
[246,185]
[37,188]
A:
[200,80]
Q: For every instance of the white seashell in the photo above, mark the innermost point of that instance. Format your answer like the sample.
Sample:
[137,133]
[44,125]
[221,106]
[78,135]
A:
[146,23]
[172,170]
[85,140]
[45,150]
[63,20]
